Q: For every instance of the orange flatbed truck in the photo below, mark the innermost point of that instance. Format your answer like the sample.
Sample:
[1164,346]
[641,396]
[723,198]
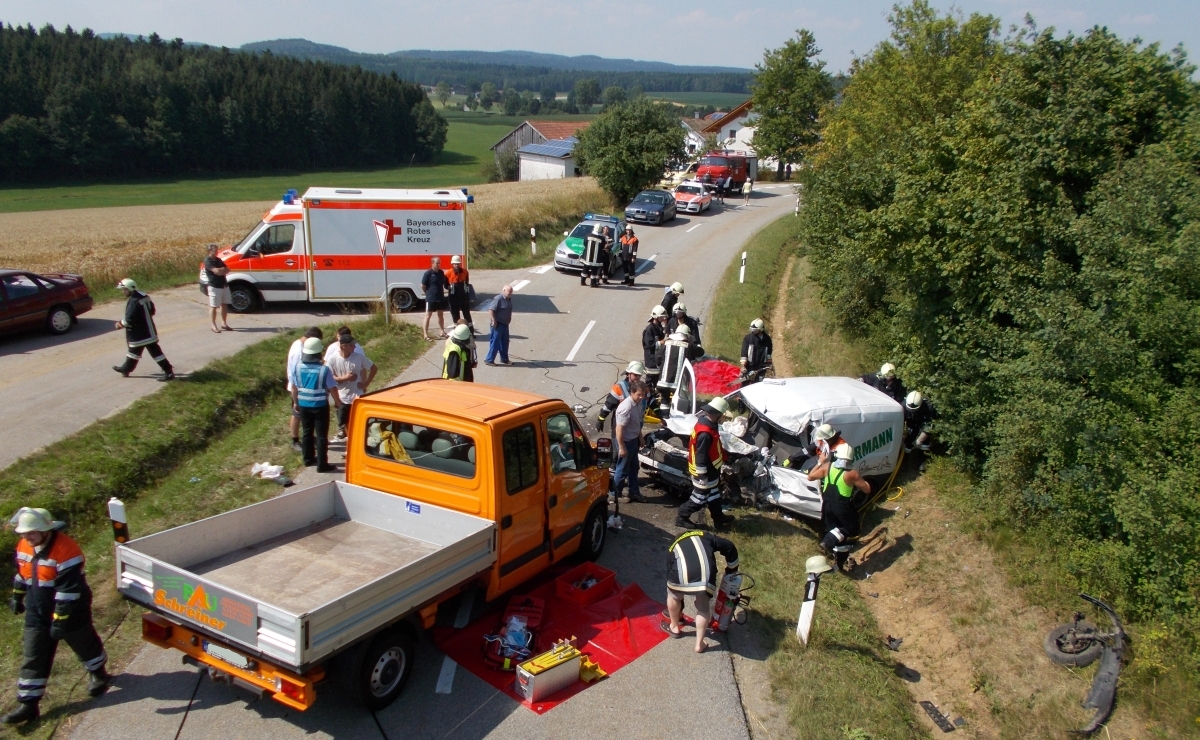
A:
[448,486]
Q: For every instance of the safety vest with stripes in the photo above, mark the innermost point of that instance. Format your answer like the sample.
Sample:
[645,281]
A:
[312,390]
[58,566]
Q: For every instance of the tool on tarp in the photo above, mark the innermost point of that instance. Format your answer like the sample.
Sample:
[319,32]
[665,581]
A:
[552,671]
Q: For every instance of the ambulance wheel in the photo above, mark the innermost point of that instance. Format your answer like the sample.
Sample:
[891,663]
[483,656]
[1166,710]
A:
[595,533]
[242,298]
[403,300]
[385,669]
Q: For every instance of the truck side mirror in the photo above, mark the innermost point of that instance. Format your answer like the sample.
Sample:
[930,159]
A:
[604,450]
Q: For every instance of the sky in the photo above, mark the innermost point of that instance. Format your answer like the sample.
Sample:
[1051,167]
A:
[696,32]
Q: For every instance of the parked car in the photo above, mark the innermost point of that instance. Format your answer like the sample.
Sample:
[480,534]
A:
[29,300]
[566,256]
[651,207]
[693,197]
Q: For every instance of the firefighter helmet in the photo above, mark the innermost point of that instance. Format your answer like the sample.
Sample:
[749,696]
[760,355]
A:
[636,368]
[718,405]
[914,400]
[597,229]
[677,288]
[462,332]
[129,284]
[844,452]
[33,520]
[683,330]
[887,371]
[817,564]
[757,325]
[825,432]
[658,312]
[680,307]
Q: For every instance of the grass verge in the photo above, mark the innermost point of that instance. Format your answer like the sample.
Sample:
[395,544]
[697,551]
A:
[173,457]
[737,304]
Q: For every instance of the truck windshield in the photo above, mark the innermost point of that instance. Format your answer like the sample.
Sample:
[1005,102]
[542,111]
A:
[715,161]
[420,446]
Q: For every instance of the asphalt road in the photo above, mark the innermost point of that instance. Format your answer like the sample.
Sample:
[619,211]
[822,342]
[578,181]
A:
[568,342]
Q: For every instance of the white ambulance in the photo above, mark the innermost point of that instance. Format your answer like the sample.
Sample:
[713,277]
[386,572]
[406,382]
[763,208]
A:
[325,246]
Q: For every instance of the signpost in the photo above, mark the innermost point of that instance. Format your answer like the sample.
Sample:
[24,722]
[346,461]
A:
[381,233]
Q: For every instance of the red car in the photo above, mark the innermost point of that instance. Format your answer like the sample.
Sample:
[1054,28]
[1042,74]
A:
[28,300]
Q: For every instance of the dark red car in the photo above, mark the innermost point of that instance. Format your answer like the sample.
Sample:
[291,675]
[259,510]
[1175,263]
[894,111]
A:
[29,300]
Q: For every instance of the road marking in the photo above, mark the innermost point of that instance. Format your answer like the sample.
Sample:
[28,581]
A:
[693,228]
[519,284]
[445,682]
[579,342]
[645,263]
[543,269]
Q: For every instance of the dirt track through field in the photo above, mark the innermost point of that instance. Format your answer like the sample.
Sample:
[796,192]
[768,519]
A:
[972,645]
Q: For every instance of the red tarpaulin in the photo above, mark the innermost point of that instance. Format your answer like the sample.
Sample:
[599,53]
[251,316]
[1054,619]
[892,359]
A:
[613,632]
[716,377]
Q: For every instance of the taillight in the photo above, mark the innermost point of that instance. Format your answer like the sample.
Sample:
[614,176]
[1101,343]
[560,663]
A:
[290,689]
[155,627]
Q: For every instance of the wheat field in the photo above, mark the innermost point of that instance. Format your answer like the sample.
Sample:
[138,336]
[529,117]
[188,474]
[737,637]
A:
[107,244]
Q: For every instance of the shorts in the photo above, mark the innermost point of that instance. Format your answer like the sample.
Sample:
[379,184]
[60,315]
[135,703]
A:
[432,306]
[703,602]
[218,296]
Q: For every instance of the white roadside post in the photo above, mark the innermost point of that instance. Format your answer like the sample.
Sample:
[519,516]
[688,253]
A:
[797,206]
[814,566]
[533,240]
[742,271]
[381,233]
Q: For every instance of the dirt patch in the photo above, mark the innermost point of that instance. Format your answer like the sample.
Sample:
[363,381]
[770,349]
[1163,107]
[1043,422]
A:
[972,645]
[779,321]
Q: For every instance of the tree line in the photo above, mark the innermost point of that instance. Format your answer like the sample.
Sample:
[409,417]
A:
[75,105]
[1015,221]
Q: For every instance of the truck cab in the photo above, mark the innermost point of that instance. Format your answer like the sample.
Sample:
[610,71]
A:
[517,459]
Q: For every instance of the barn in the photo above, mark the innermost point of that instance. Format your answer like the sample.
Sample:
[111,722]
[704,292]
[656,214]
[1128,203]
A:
[537,132]
[553,160]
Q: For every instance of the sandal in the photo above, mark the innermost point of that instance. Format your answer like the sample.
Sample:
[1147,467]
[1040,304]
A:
[215,330]
[666,627]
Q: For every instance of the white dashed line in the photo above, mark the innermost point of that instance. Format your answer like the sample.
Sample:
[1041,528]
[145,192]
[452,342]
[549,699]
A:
[579,342]
[543,269]
[445,682]
[519,284]
[645,263]
[693,228]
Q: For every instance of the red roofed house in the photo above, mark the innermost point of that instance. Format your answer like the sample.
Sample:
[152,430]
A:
[728,125]
[538,132]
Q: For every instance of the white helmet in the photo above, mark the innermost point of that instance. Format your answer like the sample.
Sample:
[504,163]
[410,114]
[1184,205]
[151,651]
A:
[677,337]
[462,332]
[757,324]
[844,452]
[129,284]
[680,307]
[597,229]
[312,346]
[33,520]
[825,432]
[636,368]
[887,371]
[677,288]
[817,564]
[720,405]
[914,400]
[683,330]
[658,312]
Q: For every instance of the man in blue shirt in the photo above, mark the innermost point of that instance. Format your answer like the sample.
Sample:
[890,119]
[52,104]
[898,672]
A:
[500,311]
[312,387]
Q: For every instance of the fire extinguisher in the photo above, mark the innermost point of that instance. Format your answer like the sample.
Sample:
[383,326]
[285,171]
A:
[730,596]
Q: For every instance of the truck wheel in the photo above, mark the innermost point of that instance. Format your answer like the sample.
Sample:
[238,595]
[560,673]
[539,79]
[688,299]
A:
[59,320]
[1068,645]
[595,533]
[403,300]
[385,669]
[242,298]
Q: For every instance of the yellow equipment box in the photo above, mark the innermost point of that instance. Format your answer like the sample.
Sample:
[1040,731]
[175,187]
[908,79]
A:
[549,672]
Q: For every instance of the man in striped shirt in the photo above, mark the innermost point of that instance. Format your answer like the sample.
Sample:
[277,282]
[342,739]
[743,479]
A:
[692,571]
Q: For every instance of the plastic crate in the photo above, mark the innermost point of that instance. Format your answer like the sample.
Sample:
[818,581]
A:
[605,586]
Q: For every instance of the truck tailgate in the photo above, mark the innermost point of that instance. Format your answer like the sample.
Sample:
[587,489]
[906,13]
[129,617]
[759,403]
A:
[299,576]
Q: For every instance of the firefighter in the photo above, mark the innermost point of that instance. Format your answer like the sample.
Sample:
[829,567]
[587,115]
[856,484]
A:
[592,259]
[839,520]
[629,248]
[885,380]
[694,350]
[140,333]
[49,588]
[457,360]
[671,297]
[705,458]
[670,356]
[756,353]
[653,337]
[634,372]
[606,265]
[825,441]
[692,570]
[917,415]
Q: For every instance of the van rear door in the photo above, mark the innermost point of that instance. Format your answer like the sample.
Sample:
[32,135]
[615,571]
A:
[521,504]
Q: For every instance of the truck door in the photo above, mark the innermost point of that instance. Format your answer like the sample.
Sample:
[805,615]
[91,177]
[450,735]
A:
[521,507]
[276,258]
[573,475]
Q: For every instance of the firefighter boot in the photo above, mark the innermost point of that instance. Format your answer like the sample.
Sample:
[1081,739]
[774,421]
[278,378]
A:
[98,682]
[26,712]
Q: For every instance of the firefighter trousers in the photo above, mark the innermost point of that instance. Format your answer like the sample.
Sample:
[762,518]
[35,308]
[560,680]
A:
[135,353]
[701,498]
[39,650]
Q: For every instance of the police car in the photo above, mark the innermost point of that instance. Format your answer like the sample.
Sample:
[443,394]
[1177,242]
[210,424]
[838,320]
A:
[566,256]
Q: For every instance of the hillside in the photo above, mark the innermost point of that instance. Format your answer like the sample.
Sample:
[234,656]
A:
[587,62]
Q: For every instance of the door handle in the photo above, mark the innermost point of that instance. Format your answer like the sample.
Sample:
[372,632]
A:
[553,501]
[506,522]
[290,263]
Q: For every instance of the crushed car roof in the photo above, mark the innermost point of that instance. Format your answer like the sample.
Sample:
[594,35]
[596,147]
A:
[791,403]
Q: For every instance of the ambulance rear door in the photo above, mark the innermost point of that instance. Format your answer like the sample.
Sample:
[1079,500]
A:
[344,257]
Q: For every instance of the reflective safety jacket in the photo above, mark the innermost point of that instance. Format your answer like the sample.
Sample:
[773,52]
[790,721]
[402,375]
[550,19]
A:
[52,576]
[139,320]
[705,456]
[756,350]
[651,336]
[629,247]
[455,362]
[692,565]
[312,385]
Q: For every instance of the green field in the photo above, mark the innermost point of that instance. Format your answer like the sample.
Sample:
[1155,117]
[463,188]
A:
[468,143]
[722,100]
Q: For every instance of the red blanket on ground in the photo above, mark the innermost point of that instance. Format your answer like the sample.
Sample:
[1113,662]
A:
[613,632]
